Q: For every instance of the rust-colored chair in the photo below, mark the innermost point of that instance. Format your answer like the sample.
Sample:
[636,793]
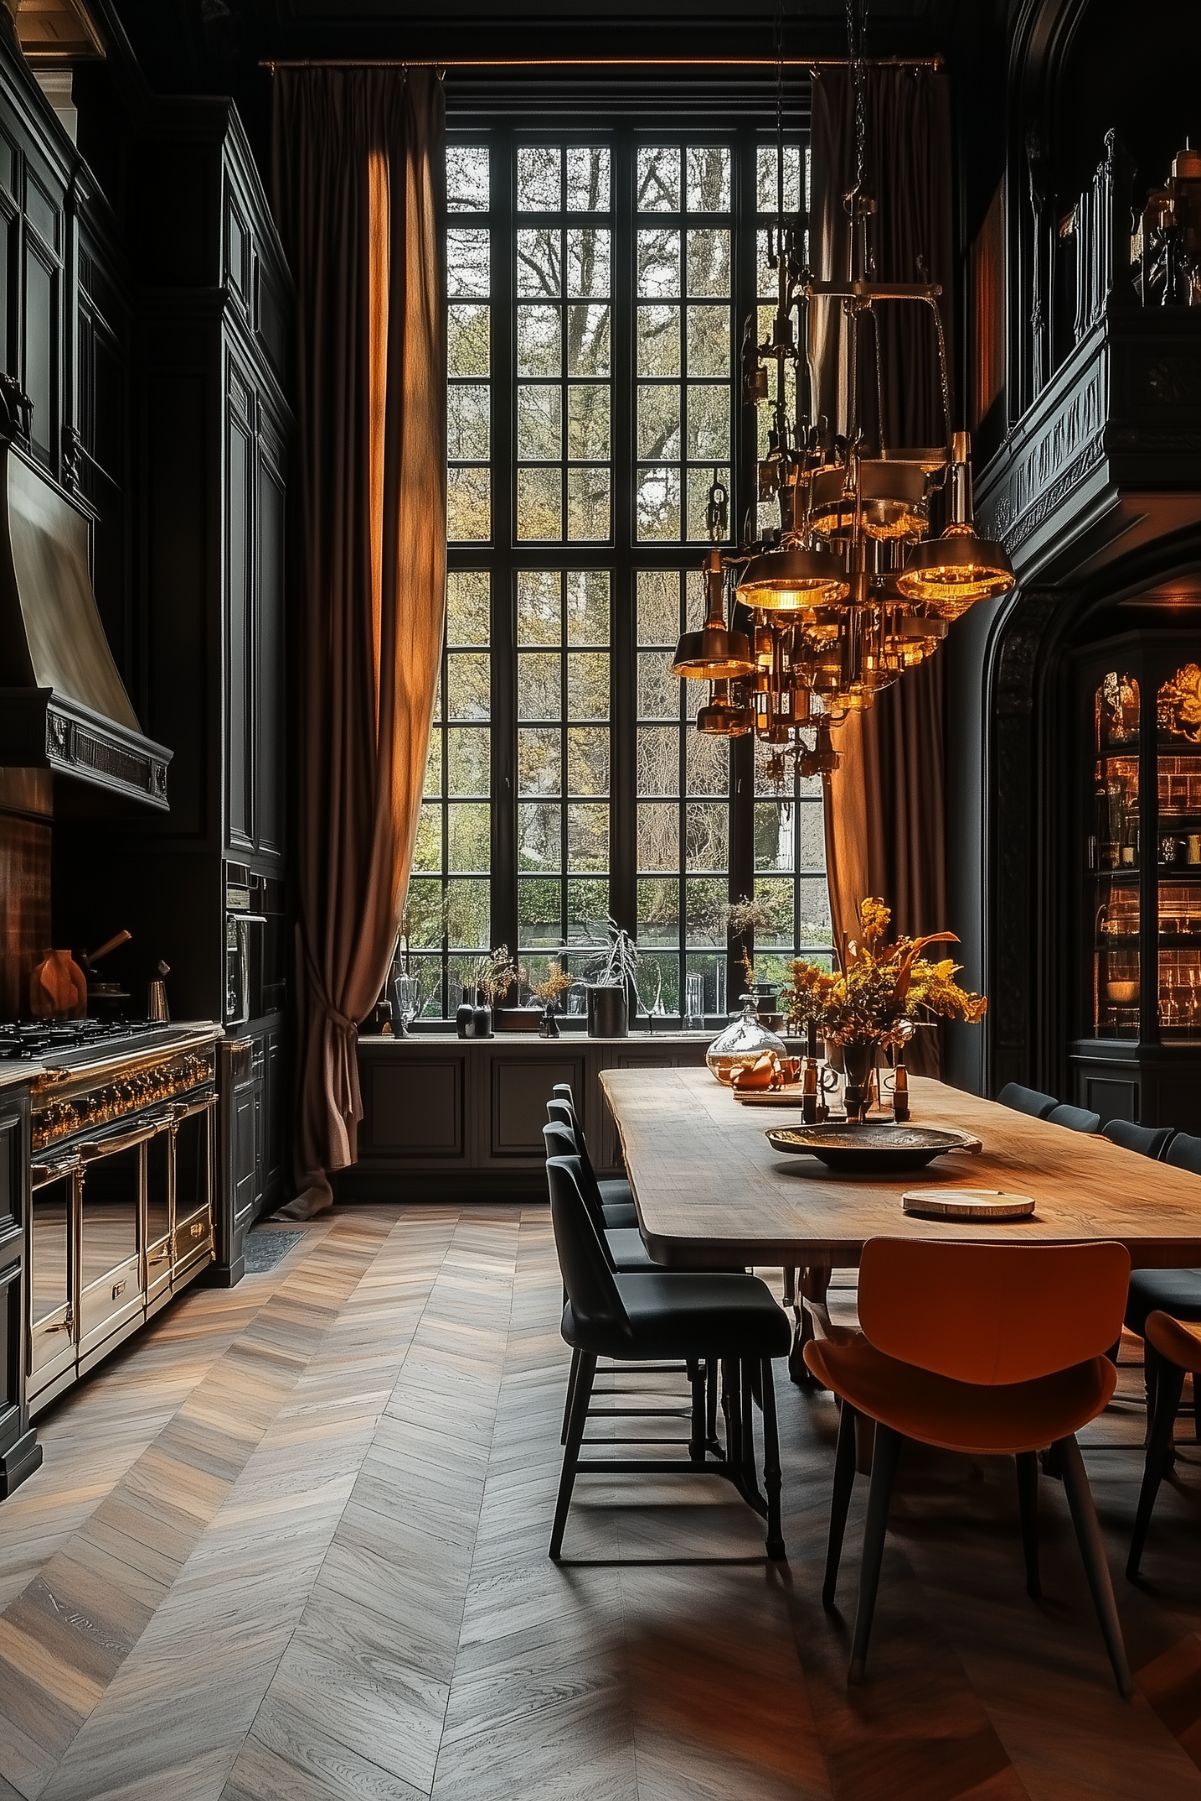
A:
[984,1349]
[1172,1350]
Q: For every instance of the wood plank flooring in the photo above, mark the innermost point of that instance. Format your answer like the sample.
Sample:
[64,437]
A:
[291,1546]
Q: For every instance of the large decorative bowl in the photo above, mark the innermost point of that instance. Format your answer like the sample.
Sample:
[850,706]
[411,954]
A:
[868,1149]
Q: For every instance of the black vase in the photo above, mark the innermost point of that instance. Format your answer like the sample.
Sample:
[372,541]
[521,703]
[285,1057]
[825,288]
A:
[608,1014]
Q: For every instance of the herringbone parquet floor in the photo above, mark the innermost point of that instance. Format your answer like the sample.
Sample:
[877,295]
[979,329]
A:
[292,1547]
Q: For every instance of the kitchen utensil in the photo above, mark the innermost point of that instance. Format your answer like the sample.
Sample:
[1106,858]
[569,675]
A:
[156,993]
[58,988]
[870,1148]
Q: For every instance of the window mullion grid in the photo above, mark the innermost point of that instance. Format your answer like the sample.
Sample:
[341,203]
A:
[503,562]
[743,486]
[623,631]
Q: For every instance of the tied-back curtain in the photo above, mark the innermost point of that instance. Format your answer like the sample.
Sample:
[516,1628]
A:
[358,157]
[885,828]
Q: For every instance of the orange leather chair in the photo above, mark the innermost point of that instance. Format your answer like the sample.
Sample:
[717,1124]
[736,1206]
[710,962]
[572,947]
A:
[1172,1349]
[985,1349]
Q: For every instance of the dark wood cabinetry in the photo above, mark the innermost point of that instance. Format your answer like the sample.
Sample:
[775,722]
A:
[19,1451]
[446,1118]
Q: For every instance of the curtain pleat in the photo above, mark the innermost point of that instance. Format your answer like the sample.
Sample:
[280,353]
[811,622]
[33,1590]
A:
[885,823]
[357,167]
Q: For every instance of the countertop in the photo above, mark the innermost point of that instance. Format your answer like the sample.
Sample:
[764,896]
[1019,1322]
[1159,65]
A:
[22,1073]
[531,1040]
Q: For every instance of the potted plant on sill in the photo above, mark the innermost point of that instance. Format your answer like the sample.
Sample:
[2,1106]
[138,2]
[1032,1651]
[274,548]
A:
[613,983]
[496,975]
[550,990]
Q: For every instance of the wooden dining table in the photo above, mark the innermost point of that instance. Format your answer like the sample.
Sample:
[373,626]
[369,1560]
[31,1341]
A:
[711,1193]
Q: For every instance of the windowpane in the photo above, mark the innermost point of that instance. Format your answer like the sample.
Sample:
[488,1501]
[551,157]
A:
[657,501]
[467,922]
[658,420]
[706,901]
[587,340]
[658,606]
[767,178]
[708,178]
[539,503]
[588,262]
[658,759]
[659,179]
[539,423]
[658,340]
[540,262]
[468,347]
[469,681]
[468,505]
[539,767]
[586,606]
[539,351]
[467,263]
[468,837]
[658,688]
[468,421]
[658,835]
[539,178]
[708,340]
[468,761]
[588,422]
[708,422]
[587,503]
[538,679]
[467,607]
[467,184]
[587,179]
[539,618]
[587,760]
[587,835]
[708,262]
[588,685]
[658,264]
[539,836]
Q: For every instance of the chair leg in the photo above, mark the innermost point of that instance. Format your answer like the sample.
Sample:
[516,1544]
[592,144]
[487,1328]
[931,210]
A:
[1027,1466]
[844,1482]
[711,1393]
[747,1456]
[885,1457]
[571,1382]
[1096,1566]
[731,1400]
[771,1461]
[581,1395]
[696,1437]
[1169,1383]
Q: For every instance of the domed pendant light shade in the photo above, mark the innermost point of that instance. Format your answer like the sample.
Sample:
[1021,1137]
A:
[951,573]
[715,653]
[790,580]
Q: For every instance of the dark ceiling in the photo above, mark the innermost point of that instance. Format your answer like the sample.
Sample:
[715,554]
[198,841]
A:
[194,45]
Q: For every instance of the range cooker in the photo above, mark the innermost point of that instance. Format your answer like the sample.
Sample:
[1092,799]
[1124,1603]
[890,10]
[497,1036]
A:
[123,1137]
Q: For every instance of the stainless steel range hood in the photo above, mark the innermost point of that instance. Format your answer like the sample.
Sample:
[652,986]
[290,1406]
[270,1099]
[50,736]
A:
[63,705]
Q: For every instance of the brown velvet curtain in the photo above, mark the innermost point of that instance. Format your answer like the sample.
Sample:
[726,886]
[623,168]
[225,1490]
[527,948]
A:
[357,162]
[885,825]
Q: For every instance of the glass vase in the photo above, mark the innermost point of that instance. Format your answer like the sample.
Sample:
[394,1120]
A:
[744,1040]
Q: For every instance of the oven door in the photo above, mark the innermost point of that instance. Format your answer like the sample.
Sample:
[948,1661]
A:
[53,1304]
[192,1132]
[111,1291]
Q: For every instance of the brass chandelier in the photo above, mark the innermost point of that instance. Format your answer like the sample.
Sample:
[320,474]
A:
[855,585]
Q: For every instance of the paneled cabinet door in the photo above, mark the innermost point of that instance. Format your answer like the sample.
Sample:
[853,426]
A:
[239,573]
[269,737]
[275,1108]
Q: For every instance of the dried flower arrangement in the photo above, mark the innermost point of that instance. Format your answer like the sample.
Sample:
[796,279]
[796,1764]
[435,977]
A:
[883,989]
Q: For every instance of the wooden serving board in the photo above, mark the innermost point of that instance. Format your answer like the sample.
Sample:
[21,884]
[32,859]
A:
[967,1203]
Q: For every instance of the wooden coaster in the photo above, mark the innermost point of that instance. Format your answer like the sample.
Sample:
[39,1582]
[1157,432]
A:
[791,1095]
[967,1203]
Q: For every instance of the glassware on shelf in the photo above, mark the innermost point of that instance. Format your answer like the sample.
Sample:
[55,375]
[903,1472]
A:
[742,1041]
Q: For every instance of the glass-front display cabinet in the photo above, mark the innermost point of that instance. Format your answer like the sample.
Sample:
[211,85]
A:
[1139,798]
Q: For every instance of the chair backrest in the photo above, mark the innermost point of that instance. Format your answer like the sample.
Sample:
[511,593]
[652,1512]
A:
[1076,1119]
[562,1107]
[992,1313]
[560,1142]
[1026,1100]
[591,1287]
[1184,1152]
[1148,1141]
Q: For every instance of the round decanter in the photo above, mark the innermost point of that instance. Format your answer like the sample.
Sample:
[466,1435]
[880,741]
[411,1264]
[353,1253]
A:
[744,1039]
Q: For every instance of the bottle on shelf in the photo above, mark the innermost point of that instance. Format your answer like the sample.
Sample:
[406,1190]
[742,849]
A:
[465,1016]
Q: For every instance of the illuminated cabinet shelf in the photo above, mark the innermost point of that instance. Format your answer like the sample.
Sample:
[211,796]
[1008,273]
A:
[1137,1053]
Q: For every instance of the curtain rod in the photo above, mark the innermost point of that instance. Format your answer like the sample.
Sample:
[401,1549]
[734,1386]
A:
[272,63]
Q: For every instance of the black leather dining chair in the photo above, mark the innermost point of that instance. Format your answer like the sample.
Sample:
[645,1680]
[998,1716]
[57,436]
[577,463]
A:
[1148,1141]
[1076,1119]
[642,1318]
[1173,1291]
[1027,1100]
[628,1255]
[615,1191]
